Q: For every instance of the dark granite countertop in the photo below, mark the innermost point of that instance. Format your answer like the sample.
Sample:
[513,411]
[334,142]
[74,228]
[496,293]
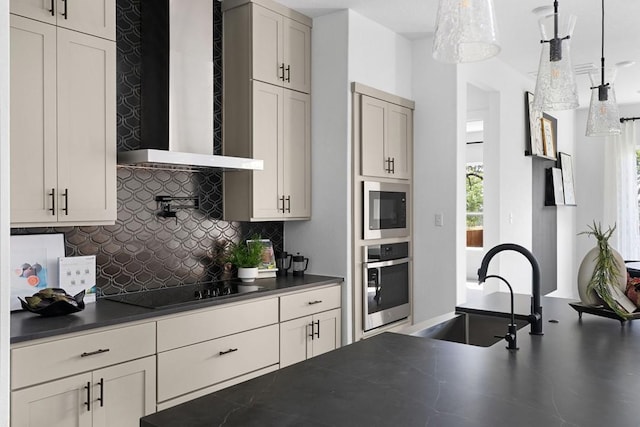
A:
[26,326]
[580,373]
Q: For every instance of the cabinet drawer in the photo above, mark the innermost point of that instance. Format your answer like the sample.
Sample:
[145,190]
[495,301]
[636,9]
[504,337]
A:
[201,365]
[217,322]
[310,302]
[56,359]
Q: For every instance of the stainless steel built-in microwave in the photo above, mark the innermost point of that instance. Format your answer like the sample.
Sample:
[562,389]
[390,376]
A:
[385,210]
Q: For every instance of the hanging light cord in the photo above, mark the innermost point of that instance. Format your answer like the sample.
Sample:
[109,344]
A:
[603,89]
[555,44]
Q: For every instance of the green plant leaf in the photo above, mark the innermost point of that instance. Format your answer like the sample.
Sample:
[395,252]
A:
[606,270]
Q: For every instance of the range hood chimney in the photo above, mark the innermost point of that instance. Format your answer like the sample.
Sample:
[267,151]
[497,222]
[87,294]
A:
[177,110]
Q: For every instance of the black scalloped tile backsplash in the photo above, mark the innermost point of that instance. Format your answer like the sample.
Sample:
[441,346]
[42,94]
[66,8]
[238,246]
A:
[143,251]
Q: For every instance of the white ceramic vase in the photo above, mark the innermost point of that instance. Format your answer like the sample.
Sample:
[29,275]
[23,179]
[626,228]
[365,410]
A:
[247,274]
[585,272]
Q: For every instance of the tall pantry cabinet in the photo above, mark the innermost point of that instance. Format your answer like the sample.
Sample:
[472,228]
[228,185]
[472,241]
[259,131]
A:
[267,110]
[63,112]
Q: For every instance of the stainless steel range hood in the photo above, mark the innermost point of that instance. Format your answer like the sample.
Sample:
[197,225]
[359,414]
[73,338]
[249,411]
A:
[177,108]
[164,158]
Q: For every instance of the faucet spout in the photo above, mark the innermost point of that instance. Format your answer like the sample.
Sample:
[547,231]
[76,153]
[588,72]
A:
[535,317]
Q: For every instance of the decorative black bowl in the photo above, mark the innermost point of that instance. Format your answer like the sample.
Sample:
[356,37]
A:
[50,307]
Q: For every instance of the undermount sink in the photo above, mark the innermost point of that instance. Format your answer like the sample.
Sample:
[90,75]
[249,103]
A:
[473,329]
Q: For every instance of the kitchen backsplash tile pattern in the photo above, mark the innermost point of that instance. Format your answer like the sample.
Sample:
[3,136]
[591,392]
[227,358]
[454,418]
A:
[143,251]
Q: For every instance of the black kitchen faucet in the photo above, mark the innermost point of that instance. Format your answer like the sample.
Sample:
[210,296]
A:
[535,317]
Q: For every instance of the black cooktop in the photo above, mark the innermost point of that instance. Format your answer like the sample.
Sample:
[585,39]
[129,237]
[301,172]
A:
[184,294]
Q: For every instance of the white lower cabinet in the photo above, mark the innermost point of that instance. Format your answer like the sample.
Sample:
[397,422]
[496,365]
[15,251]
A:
[241,339]
[190,368]
[115,396]
[310,324]
[99,379]
[114,376]
[309,336]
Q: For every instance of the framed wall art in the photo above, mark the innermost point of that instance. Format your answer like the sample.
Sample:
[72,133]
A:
[533,134]
[268,256]
[536,124]
[554,192]
[34,264]
[548,137]
[566,166]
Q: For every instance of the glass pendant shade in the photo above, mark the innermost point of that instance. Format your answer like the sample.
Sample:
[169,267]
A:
[466,31]
[556,84]
[604,117]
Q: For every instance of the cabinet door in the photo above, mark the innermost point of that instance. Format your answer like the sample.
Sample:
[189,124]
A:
[41,10]
[399,142]
[61,403]
[327,334]
[374,134]
[297,154]
[33,121]
[123,393]
[268,201]
[267,42]
[202,365]
[86,128]
[294,335]
[297,56]
[95,17]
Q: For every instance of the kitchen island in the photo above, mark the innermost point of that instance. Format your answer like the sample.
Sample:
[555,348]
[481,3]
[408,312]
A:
[579,373]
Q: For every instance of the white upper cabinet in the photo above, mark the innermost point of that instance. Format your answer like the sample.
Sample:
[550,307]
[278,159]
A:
[281,50]
[387,139]
[63,126]
[267,110]
[95,17]
[281,137]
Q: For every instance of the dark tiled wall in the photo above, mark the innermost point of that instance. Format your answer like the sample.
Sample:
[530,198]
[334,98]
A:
[143,251]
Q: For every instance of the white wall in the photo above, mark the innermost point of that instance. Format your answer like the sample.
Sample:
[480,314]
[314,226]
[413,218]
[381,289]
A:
[346,47]
[378,57]
[4,214]
[436,143]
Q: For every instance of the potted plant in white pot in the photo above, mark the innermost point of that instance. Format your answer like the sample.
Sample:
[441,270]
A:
[246,258]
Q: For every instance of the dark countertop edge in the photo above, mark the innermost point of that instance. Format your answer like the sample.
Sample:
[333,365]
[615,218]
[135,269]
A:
[104,313]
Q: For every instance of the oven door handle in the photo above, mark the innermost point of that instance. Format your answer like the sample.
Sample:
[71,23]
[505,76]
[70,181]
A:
[388,263]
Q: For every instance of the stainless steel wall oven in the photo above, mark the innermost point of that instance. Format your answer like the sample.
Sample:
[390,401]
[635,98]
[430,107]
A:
[386,278]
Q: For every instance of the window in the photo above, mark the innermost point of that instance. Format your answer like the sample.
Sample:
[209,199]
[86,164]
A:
[475,204]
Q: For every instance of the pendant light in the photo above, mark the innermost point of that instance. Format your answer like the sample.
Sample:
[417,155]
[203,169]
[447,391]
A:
[466,31]
[604,117]
[556,84]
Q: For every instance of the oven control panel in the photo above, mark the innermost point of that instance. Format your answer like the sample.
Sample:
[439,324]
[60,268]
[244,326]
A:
[386,251]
